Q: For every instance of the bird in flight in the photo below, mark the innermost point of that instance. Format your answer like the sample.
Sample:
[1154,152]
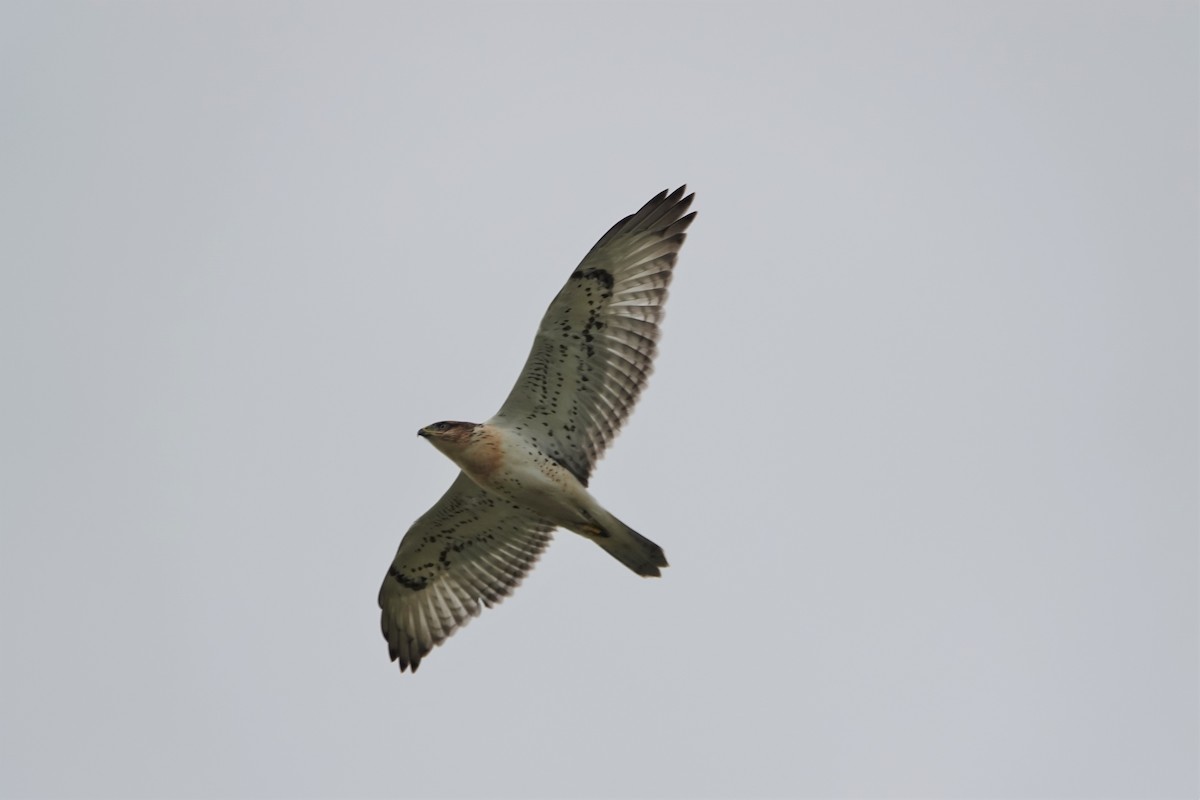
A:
[525,471]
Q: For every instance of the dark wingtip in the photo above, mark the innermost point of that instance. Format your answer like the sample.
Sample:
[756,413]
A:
[405,665]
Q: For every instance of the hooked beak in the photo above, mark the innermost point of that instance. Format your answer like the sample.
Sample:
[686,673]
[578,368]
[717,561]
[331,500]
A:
[422,433]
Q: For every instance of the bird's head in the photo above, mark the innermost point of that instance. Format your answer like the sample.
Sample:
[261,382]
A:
[448,435]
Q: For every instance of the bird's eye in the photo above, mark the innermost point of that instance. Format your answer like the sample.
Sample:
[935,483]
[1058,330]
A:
[441,426]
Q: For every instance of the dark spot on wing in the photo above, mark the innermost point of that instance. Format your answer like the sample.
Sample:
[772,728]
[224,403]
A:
[603,276]
[416,584]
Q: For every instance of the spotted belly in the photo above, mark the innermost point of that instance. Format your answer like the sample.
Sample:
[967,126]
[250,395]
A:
[511,468]
[541,485]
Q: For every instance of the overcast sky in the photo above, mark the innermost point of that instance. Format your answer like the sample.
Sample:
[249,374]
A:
[921,445]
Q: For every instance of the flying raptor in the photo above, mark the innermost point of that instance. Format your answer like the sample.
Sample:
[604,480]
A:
[525,471]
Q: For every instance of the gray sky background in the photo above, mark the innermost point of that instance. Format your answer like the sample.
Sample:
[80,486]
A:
[921,446]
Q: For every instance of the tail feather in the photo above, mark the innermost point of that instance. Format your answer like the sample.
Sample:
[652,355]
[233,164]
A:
[632,549]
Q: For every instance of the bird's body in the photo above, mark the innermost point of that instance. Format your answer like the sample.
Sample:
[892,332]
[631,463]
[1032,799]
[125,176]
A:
[512,468]
[509,466]
[524,472]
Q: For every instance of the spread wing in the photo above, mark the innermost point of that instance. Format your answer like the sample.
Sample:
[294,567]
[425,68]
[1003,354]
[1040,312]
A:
[469,549]
[594,349]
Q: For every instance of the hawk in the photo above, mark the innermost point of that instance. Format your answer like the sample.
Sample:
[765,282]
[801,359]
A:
[525,471]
